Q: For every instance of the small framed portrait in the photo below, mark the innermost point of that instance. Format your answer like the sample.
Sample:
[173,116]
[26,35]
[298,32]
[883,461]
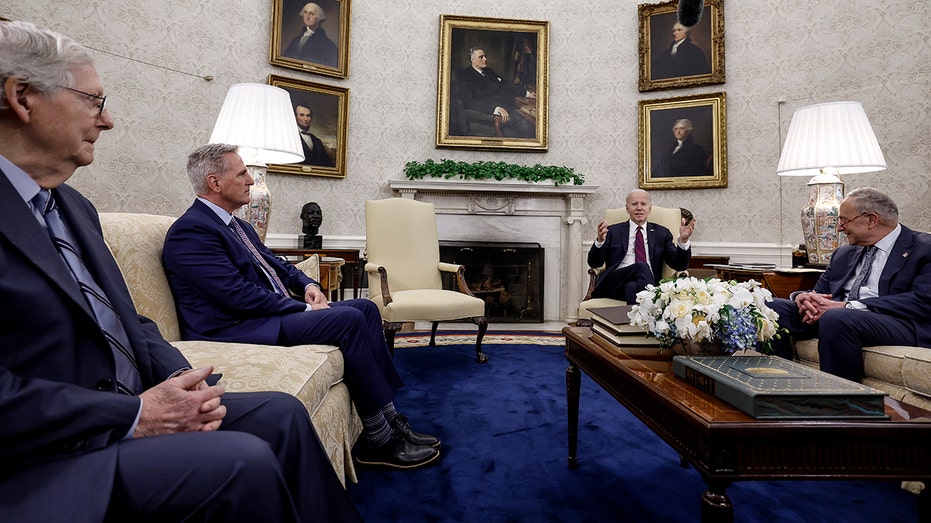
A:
[683,142]
[322,116]
[492,84]
[311,36]
[673,55]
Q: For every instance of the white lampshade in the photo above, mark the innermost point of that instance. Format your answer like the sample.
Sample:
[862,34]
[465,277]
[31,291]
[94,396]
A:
[259,119]
[834,136]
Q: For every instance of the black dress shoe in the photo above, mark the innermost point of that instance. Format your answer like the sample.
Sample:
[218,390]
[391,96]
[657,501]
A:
[400,424]
[397,453]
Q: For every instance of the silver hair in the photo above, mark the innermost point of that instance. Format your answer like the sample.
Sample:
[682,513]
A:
[868,199]
[472,51]
[206,159]
[686,122]
[321,16]
[40,57]
[638,191]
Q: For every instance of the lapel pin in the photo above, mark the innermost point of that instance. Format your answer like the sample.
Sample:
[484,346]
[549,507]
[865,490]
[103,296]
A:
[905,255]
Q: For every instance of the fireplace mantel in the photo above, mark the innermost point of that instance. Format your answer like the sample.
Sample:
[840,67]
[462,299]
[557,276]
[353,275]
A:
[526,200]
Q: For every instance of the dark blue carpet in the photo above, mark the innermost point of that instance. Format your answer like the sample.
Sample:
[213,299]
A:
[503,427]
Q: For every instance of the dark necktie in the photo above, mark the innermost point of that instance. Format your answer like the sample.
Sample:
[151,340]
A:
[864,274]
[277,285]
[127,370]
[640,251]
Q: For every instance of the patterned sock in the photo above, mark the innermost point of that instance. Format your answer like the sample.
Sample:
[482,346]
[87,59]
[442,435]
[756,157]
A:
[389,412]
[375,429]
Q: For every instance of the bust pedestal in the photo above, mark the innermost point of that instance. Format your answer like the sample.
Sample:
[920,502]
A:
[312,241]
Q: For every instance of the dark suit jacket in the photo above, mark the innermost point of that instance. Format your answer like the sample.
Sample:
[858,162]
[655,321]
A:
[483,93]
[691,160]
[53,365]
[317,49]
[317,155]
[220,290]
[689,60]
[904,286]
[661,245]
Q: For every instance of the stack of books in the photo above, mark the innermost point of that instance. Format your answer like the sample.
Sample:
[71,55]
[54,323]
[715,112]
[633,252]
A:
[611,328]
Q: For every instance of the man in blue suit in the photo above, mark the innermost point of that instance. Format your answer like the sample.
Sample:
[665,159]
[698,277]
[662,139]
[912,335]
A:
[633,252]
[875,291]
[229,287]
[100,418]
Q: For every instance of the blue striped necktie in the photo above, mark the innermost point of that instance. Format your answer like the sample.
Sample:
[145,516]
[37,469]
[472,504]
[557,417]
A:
[869,253]
[127,370]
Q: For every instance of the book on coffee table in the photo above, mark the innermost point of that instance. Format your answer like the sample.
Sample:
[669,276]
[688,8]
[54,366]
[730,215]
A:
[770,387]
[614,325]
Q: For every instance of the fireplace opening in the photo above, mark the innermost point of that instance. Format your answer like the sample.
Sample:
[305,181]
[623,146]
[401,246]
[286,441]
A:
[507,276]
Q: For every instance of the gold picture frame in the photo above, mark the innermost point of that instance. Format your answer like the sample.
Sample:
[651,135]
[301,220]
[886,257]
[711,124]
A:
[698,58]
[324,52]
[504,109]
[329,120]
[700,161]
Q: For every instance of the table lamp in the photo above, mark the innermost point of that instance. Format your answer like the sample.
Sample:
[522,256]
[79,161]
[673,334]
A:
[825,141]
[259,119]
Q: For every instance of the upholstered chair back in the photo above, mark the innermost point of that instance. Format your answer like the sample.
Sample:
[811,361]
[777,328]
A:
[136,242]
[401,235]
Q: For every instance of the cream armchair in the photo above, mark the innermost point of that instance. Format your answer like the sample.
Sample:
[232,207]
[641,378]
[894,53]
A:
[669,217]
[405,272]
[312,373]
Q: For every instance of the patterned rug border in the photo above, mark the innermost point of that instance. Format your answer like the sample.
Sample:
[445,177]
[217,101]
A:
[420,339]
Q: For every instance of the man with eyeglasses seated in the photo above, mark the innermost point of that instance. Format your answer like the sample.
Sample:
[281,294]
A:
[101,419]
[875,291]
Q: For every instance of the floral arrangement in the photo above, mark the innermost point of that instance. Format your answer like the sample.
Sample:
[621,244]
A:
[695,311]
[559,175]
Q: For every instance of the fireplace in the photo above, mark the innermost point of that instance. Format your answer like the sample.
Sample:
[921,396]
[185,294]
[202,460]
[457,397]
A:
[501,211]
[508,277]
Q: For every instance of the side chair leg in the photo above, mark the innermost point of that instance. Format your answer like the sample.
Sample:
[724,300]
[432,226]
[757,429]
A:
[433,334]
[482,327]
[390,330]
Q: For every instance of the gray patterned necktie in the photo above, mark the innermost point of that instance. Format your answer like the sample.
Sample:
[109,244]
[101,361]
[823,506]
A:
[127,369]
[276,282]
[864,275]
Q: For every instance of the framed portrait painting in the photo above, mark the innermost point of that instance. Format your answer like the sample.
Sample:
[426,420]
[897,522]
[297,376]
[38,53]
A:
[311,36]
[322,115]
[492,84]
[673,55]
[683,142]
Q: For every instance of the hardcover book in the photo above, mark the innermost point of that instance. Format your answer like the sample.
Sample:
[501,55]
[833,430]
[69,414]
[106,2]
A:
[768,387]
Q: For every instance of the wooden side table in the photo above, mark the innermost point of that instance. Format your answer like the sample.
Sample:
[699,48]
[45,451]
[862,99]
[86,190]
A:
[331,275]
[781,282]
[351,260]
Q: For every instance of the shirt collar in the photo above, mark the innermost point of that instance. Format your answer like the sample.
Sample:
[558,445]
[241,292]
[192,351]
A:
[887,241]
[22,182]
[221,213]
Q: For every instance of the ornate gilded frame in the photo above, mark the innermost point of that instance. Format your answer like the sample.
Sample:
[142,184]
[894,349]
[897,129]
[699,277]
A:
[656,22]
[330,106]
[503,41]
[287,25]
[708,115]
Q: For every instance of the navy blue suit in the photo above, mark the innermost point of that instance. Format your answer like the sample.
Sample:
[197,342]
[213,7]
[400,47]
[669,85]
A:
[222,294]
[898,316]
[625,283]
[62,452]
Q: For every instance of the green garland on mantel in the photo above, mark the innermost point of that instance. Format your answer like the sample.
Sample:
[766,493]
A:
[492,171]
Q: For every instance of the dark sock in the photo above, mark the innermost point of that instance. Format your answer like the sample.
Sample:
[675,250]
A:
[375,429]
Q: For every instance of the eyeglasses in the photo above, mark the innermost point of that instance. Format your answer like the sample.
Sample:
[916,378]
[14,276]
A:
[103,99]
[842,222]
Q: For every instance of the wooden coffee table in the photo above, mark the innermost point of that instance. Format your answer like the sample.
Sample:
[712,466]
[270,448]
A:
[726,445]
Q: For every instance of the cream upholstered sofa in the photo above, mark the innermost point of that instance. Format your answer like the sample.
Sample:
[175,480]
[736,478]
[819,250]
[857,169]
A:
[312,373]
[902,372]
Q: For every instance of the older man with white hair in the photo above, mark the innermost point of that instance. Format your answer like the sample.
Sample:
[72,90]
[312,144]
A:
[313,45]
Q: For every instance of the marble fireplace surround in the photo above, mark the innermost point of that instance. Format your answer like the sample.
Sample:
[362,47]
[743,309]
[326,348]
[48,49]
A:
[514,211]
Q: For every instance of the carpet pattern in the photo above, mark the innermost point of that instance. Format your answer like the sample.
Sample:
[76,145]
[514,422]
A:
[419,339]
[503,427]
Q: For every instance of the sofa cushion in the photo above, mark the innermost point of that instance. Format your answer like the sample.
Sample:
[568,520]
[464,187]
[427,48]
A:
[916,371]
[305,371]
